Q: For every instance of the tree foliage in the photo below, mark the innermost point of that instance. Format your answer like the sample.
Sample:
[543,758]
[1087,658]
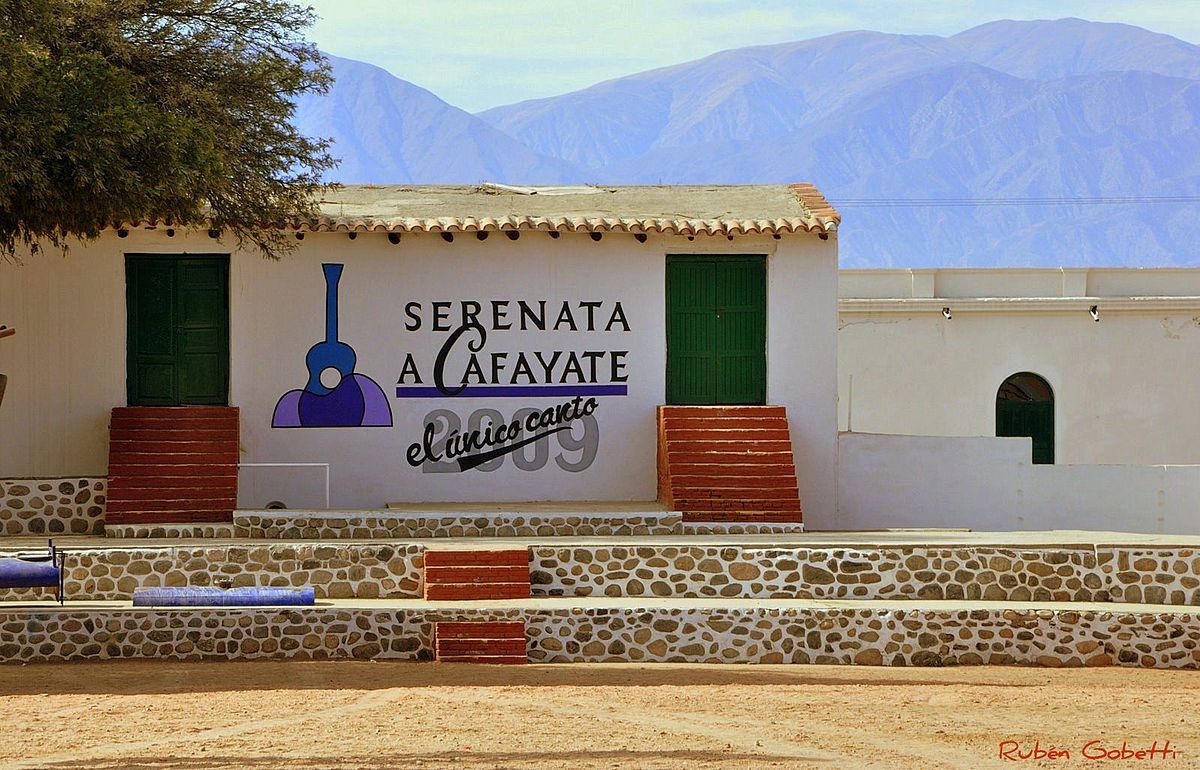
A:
[178,110]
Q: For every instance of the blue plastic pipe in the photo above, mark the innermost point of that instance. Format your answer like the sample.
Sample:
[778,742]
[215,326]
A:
[207,596]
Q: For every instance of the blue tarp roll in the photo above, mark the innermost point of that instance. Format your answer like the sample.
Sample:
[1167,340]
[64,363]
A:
[18,573]
[207,596]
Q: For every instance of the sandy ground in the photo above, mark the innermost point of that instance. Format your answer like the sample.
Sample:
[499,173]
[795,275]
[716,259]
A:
[402,715]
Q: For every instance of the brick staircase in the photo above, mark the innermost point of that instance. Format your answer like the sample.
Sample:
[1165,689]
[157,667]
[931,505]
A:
[727,463]
[472,574]
[172,464]
[480,642]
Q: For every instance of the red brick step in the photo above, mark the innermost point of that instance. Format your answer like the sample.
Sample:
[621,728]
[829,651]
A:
[727,463]
[476,574]
[708,412]
[477,558]
[482,642]
[172,464]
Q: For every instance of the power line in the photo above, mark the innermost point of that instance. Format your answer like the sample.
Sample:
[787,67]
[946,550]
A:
[846,203]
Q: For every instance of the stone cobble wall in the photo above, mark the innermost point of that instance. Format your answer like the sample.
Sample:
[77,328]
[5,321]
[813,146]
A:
[992,574]
[322,527]
[866,637]
[340,569]
[227,633]
[335,571]
[67,506]
[1152,575]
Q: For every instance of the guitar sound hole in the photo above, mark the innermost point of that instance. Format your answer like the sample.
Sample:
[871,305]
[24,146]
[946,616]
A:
[330,377]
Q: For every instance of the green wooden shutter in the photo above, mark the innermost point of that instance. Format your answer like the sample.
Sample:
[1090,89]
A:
[691,332]
[1034,419]
[202,331]
[741,331]
[150,296]
[178,330]
[716,330]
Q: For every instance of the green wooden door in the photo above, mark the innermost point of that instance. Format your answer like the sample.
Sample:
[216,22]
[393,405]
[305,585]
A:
[1029,418]
[1025,407]
[716,330]
[178,331]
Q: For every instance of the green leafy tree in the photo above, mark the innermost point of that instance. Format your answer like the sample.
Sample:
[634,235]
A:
[179,110]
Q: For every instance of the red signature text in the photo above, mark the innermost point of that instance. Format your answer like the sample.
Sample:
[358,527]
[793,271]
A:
[1016,752]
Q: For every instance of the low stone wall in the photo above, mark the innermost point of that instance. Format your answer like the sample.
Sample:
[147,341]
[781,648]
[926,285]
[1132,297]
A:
[1152,575]
[866,637]
[1083,574]
[218,633]
[334,570]
[389,570]
[57,506]
[767,634]
[324,525]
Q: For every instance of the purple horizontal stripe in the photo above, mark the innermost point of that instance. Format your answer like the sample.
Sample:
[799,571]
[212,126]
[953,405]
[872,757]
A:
[516,391]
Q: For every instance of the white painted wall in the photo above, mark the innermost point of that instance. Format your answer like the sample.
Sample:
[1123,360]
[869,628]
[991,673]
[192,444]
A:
[802,365]
[1125,387]
[989,484]
[66,365]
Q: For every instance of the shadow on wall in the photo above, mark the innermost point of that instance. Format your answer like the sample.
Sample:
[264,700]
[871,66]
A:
[987,483]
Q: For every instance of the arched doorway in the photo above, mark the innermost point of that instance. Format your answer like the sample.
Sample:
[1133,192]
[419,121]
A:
[1025,407]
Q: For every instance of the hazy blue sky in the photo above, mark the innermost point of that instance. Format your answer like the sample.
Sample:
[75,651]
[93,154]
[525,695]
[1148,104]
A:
[481,53]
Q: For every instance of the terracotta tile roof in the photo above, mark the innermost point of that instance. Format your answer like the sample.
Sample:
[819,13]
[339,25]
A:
[815,202]
[678,210]
[671,209]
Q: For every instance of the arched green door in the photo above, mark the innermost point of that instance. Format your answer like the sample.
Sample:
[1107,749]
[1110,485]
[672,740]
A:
[1025,407]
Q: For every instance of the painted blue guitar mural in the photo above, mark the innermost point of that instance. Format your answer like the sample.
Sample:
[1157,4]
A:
[335,396]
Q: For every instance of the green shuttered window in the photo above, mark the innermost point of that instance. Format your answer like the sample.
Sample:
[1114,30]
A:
[716,329]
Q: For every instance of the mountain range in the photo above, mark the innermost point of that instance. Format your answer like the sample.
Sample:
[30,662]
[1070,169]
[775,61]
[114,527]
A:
[965,150]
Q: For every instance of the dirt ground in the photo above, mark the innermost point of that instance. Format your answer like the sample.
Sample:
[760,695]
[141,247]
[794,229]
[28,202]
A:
[405,715]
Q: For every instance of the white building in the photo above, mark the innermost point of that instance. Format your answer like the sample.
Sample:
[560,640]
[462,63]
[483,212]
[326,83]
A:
[350,354]
[1105,364]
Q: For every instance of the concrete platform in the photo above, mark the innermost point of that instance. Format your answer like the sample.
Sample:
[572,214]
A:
[453,521]
[437,520]
[1071,538]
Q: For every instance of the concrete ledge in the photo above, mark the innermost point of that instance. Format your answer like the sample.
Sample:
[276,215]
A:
[310,525]
[180,531]
[740,528]
[563,631]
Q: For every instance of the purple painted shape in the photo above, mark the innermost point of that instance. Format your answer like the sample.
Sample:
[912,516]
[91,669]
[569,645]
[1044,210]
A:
[341,407]
[377,413]
[360,398]
[287,411]
[514,391]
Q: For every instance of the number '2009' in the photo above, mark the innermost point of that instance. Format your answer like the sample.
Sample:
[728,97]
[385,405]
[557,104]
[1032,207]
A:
[576,450]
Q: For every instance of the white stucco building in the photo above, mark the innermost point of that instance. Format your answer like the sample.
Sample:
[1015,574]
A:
[1114,358]
[349,356]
